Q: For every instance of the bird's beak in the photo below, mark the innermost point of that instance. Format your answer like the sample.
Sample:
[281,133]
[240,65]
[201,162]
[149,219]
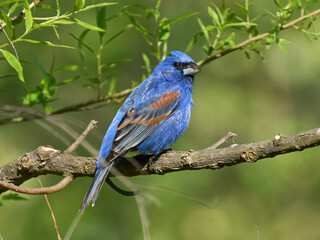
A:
[191,69]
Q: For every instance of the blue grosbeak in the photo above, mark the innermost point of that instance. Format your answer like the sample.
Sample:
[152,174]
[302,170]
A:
[151,119]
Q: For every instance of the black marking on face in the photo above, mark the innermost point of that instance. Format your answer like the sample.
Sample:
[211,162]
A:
[182,65]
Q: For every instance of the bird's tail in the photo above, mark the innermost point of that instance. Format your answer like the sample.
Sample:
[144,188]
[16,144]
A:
[95,186]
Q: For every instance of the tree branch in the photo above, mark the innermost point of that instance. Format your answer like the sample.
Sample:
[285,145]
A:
[77,142]
[22,114]
[22,13]
[257,38]
[32,114]
[46,160]
[38,191]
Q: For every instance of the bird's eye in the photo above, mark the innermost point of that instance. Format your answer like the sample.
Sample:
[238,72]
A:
[178,65]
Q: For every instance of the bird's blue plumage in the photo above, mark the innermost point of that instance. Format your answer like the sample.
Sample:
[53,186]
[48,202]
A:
[151,119]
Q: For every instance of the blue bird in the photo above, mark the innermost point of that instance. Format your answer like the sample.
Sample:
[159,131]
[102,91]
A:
[151,119]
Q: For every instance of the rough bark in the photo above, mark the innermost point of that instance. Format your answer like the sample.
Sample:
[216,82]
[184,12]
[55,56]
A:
[46,160]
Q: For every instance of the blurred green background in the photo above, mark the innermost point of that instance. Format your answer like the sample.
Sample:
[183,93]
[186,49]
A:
[279,197]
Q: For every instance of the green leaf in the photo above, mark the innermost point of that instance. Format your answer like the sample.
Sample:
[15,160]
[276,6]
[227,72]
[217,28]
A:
[164,30]
[149,13]
[46,43]
[181,17]
[13,61]
[214,17]
[205,31]
[269,39]
[13,8]
[280,42]
[79,5]
[90,86]
[8,23]
[8,2]
[247,54]
[81,44]
[62,21]
[96,6]
[207,49]
[146,63]
[112,86]
[118,34]
[243,9]
[7,75]
[13,196]
[47,110]
[101,20]
[164,51]
[230,40]
[69,80]
[115,62]
[88,26]
[194,40]
[93,80]
[46,6]
[237,24]
[164,25]
[68,68]
[27,15]
[31,98]
[135,23]
[136,83]
[260,54]
[58,7]
[56,32]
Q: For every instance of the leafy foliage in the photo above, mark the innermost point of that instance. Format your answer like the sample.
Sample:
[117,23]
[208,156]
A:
[158,39]
[220,32]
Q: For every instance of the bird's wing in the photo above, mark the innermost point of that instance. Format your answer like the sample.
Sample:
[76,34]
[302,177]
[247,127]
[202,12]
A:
[137,124]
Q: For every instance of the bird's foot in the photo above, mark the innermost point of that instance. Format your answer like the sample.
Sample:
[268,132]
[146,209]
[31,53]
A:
[152,159]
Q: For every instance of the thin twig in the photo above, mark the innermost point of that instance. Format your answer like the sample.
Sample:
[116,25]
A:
[77,142]
[87,105]
[256,38]
[300,19]
[221,141]
[21,14]
[52,214]
[38,191]
[77,107]
[9,40]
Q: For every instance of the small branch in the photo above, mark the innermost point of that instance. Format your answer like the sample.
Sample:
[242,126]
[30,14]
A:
[91,104]
[77,142]
[21,14]
[300,19]
[222,141]
[82,106]
[38,191]
[46,160]
[52,214]
[9,40]
[256,38]
[19,112]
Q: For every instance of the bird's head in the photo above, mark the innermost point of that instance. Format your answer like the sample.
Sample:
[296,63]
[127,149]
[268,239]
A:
[178,64]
